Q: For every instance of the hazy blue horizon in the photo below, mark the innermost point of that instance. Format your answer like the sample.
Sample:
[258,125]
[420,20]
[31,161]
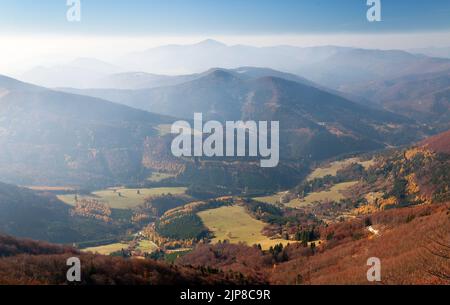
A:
[36,33]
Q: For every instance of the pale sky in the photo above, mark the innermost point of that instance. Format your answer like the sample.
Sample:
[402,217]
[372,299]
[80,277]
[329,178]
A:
[21,52]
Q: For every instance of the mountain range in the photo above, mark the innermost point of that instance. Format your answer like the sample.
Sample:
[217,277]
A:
[80,73]
[308,114]
[424,96]
[76,139]
[331,66]
[358,176]
[143,80]
[384,79]
[58,138]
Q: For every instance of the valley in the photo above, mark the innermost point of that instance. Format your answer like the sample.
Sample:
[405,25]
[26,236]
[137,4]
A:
[342,190]
[215,152]
[335,166]
[334,194]
[227,219]
[361,171]
[235,225]
[108,249]
[122,198]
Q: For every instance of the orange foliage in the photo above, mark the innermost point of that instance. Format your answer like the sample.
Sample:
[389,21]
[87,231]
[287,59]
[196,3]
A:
[92,209]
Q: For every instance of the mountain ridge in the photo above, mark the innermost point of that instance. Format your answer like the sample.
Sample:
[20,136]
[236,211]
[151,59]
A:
[69,138]
[222,94]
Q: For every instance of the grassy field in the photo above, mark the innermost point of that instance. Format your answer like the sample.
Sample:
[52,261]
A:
[158,177]
[321,172]
[233,223]
[147,246]
[123,198]
[51,188]
[107,249]
[331,169]
[334,194]
[144,246]
[171,256]
[272,199]
[334,167]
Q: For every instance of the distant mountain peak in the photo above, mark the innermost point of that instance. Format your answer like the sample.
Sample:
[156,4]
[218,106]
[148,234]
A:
[211,43]
[219,74]
[274,80]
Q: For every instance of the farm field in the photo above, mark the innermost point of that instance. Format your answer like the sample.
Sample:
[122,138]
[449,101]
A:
[171,256]
[333,194]
[123,198]
[272,199]
[51,188]
[107,249]
[334,167]
[233,223]
[147,246]
[158,177]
